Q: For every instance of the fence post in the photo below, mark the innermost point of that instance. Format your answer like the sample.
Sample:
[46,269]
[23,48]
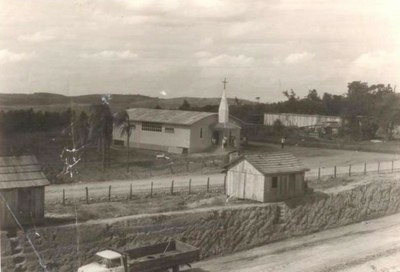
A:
[349,170]
[151,190]
[392,165]
[172,187]
[379,166]
[130,192]
[208,184]
[365,168]
[63,200]
[109,193]
[225,184]
[334,172]
[87,195]
[190,186]
[171,169]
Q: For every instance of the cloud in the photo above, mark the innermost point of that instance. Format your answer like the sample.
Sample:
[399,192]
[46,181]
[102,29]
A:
[224,60]
[36,37]
[202,54]
[377,66]
[111,55]
[194,9]
[298,57]
[7,56]
[372,60]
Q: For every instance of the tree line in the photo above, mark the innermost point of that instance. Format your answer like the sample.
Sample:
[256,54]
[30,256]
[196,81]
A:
[364,107]
[33,121]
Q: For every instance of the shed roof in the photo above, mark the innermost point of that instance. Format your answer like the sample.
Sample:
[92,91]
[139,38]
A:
[177,117]
[273,163]
[21,172]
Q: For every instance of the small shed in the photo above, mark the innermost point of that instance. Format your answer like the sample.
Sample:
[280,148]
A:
[267,177]
[22,190]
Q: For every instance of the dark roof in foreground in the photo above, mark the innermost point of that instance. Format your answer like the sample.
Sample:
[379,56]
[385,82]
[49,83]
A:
[273,163]
[21,172]
[177,117]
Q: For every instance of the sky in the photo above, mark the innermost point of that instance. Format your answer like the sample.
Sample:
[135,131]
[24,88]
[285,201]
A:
[171,48]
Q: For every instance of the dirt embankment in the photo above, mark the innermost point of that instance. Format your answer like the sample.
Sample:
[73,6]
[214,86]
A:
[215,231]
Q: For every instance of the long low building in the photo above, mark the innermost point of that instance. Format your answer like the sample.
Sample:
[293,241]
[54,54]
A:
[300,120]
[176,131]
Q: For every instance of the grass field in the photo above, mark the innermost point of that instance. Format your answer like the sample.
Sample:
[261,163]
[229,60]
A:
[322,157]
[143,164]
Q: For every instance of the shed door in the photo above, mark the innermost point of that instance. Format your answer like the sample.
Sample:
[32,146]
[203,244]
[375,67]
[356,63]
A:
[25,205]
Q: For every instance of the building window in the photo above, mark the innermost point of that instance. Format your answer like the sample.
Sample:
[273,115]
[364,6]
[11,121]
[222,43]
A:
[169,130]
[119,142]
[274,182]
[148,126]
[201,132]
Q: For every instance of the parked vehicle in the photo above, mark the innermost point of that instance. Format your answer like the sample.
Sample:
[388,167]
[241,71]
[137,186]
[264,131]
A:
[153,258]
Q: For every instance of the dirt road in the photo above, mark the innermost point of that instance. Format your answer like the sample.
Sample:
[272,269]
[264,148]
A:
[368,246]
[312,158]
[119,187]
[323,157]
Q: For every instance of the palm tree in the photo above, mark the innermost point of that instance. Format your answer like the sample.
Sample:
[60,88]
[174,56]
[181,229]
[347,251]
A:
[82,131]
[100,130]
[121,121]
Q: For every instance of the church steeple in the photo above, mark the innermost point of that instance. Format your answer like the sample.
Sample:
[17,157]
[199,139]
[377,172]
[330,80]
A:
[223,111]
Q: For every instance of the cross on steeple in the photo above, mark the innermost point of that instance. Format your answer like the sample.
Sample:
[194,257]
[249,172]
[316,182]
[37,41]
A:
[224,83]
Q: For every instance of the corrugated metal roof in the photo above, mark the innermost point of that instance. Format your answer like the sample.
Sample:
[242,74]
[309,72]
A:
[17,160]
[21,171]
[24,184]
[177,117]
[275,163]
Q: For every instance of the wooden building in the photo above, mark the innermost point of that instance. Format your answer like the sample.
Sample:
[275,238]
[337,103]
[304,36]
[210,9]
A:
[178,131]
[300,120]
[267,177]
[21,190]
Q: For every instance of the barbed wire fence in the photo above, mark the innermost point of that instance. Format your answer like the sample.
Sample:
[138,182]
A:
[129,192]
[354,169]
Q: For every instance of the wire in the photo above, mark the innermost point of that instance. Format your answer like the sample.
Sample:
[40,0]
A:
[169,242]
[41,262]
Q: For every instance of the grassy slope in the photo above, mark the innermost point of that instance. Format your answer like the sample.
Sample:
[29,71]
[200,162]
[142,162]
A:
[56,102]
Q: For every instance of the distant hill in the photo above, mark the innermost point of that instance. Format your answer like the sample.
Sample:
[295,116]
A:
[57,102]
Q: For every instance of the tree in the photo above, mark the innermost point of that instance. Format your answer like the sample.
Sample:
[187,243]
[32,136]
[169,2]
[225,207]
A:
[121,121]
[277,126]
[237,101]
[313,96]
[100,129]
[360,100]
[185,105]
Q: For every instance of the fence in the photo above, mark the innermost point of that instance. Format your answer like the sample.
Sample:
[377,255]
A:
[112,193]
[355,169]
[117,193]
[137,169]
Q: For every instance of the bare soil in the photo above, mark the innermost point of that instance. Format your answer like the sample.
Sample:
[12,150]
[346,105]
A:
[367,246]
[57,213]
